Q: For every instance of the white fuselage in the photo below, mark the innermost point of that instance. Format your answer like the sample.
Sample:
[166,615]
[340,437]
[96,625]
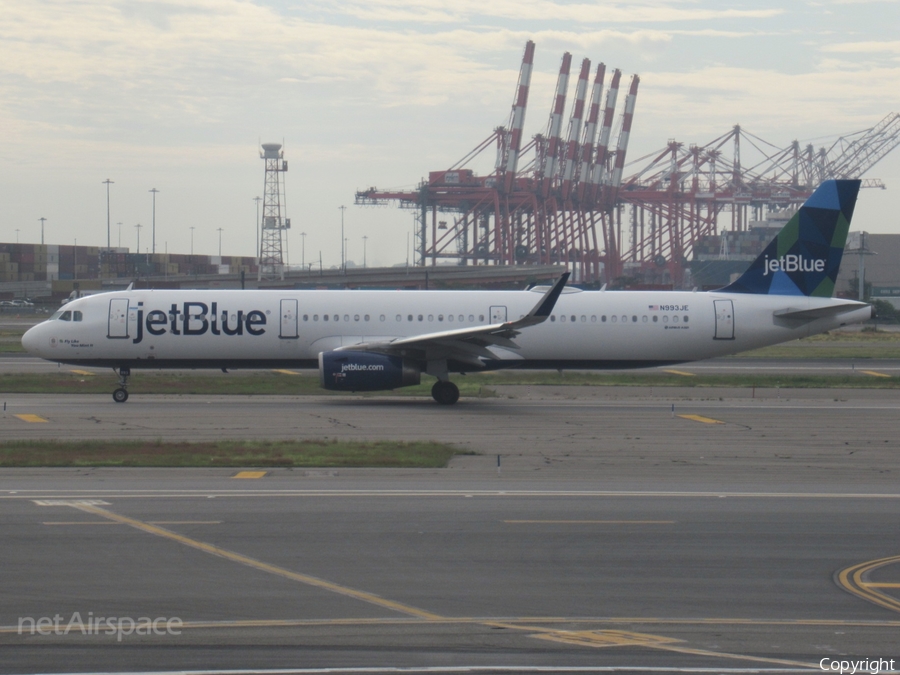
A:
[150,329]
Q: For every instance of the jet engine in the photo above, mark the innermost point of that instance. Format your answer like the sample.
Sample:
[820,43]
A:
[366,371]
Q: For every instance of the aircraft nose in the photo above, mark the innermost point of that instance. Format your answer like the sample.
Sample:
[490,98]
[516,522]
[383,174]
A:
[31,339]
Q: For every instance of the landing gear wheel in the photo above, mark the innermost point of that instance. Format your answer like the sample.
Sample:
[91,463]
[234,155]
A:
[445,393]
[120,395]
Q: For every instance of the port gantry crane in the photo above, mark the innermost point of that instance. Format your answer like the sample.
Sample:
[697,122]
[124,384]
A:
[556,200]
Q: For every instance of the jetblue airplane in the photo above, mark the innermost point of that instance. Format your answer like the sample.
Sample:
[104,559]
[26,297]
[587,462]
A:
[382,340]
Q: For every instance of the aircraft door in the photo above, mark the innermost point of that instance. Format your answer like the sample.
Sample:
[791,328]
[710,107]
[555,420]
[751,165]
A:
[724,319]
[498,314]
[118,318]
[289,330]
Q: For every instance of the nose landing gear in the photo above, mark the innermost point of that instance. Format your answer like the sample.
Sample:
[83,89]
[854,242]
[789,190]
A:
[120,395]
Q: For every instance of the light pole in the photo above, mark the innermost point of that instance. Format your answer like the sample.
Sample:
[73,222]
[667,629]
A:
[153,237]
[220,244]
[120,234]
[192,240]
[346,253]
[303,249]
[107,182]
[343,267]
[42,219]
[365,239]
[138,228]
[257,200]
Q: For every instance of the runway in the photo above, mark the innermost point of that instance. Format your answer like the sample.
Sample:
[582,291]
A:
[617,533]
[709,438]
[357,577]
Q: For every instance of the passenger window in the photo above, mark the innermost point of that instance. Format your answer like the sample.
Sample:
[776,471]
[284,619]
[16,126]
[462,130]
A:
[674,319]
[553,317]
[462,318]
[481,317]
[409,317]
[644,319]
[655,318]
[76,315]
[440,317]
[685,318]
[431,317]
[471,317]
[614,319]
[315,317]
[420,317]
[603,318]
[347,317]
[563,318]
[356,317]
[337,317]
[306,317]
[324,317]
[573,318]
[593,318]
[624,319]
[583,318]
[665,318]
[634,318]
[449,317]
[66,316]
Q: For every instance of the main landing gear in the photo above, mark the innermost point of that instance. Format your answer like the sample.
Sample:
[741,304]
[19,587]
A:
[120,395]
[445,392]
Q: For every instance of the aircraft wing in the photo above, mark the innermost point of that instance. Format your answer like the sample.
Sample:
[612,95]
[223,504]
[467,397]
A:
[467,344]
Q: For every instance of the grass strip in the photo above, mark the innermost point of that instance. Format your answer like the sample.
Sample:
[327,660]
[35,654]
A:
[655,378]
[232,453]
[245,383]
[475,385]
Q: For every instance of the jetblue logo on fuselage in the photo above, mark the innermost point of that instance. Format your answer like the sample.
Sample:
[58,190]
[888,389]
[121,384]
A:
[792,263]
[198,318]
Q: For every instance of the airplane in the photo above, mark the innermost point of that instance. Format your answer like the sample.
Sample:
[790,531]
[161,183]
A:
[363,340]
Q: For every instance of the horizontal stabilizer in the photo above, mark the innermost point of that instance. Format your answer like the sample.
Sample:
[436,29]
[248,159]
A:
[818,312]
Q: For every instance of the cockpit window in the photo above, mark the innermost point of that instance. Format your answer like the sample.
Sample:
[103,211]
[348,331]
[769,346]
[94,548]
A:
[77,316]
[66,316]
[55,315]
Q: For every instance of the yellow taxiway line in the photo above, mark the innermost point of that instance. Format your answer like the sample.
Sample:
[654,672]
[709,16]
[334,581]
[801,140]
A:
[683,373]
[591,522]
[874,373]
[853,580]
[701,419]
[250,474]
[27,417]
[596,638]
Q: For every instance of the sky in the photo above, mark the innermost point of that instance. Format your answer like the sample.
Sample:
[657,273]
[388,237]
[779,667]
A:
[178,96]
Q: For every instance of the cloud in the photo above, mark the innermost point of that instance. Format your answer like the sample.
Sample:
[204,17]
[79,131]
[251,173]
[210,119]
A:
[430,11]
[881,47]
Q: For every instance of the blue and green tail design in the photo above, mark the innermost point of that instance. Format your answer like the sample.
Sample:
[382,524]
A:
[805,257]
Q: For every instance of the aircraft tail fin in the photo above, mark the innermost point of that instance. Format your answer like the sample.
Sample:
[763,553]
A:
[805,257]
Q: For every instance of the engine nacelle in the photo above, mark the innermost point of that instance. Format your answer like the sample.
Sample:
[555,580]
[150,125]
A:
[365,371]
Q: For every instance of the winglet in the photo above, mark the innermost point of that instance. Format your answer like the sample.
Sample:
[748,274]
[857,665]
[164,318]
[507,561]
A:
[546,304]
